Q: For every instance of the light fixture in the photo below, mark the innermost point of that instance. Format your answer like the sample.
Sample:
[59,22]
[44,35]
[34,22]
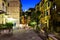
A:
[55,6]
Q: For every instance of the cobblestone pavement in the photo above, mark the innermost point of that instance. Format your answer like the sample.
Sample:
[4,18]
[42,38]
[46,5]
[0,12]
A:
[21,34]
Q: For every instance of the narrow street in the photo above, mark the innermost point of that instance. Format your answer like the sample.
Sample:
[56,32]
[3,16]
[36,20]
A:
[21,34]
[30,20]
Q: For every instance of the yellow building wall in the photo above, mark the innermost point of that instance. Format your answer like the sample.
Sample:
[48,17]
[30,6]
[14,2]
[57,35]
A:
[2,15]
[43,8]
[2,18]
[13,12]
[1,5]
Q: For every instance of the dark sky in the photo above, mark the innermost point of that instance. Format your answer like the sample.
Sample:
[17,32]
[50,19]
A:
[26,4]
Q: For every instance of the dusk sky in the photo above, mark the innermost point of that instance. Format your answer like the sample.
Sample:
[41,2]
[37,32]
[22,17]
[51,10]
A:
[26,4]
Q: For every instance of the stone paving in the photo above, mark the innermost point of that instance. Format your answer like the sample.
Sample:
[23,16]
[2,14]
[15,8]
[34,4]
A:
[21,34]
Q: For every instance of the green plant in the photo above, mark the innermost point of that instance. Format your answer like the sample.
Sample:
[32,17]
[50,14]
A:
[9,25]
[32,24]
[2,26]
[35,18]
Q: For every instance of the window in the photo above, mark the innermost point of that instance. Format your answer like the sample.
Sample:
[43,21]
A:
[46,13]
[48,4]
[3,4]
[37,7]
[8,4]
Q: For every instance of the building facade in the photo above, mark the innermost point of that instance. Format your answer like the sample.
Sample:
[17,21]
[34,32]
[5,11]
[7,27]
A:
[10,9]
[50,12]
[2,11]
[14,9]
[45,6]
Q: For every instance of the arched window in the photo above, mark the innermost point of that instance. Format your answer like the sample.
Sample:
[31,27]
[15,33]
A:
[3,4]
[48,3]
[8,4]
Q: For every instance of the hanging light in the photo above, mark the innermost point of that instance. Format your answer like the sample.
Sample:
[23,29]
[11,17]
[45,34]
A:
[54,6]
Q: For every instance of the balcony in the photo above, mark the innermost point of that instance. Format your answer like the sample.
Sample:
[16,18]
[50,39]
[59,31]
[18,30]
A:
[2,9]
